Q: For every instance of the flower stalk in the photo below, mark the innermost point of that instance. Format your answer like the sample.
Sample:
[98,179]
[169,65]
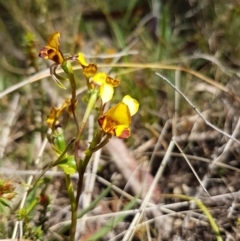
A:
[113,122]
[81,165]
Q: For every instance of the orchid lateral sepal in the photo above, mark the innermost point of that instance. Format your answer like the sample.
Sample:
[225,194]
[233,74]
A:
[55,76]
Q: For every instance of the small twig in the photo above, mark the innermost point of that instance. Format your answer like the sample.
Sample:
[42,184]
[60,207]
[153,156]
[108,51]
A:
[190,165]
[8,124]
[129,168]
[109,56]
[45,73]
[212,59]
[129,234]
[124,51]
[103,181]
[32,79]
[199,113]
[228,145]
[176,103]
[87,191]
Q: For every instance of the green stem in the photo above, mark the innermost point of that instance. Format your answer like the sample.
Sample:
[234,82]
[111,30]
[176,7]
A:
[53,163]
[67,67]
[83,164]
[81,171]
[73,206]
[60,144]
[88,84]
[64,228]
[90,106]
[96,147]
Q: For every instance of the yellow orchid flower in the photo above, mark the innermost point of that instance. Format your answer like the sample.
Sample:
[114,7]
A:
[106,84]
[102,80]
[51,50]
[57,112]
[116,121]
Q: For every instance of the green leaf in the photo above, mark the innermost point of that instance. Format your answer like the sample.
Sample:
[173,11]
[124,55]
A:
[68,165]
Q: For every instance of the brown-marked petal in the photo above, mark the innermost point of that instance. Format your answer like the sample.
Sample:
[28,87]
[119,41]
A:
[90,70]
[122,131]
[51,50]
[56,113]
[113,82]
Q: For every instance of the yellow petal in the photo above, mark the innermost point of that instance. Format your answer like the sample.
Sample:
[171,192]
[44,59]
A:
[63,107]
[116,121]
[53,40]
[52,116]
[117,115]
[132,104]
[81,59]
[99,78]
[106,93]
[56,113]
[120,114]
